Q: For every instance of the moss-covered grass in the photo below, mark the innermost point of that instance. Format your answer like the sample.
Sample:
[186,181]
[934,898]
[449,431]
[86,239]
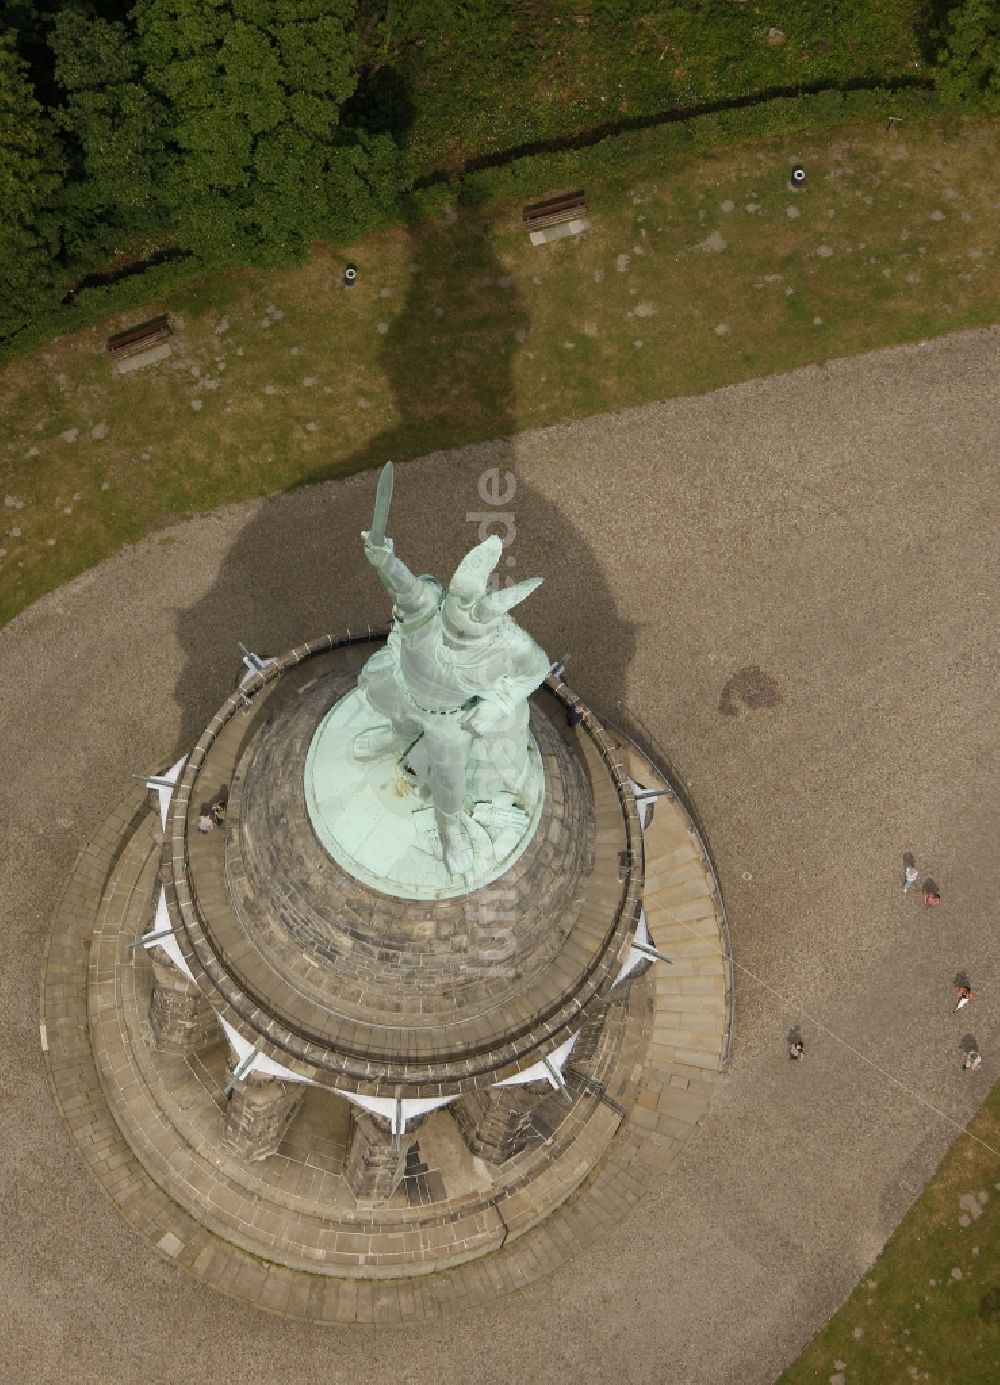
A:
[709,272]
[573,65]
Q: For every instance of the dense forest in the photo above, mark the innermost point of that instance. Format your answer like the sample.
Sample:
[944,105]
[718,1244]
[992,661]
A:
[237,131]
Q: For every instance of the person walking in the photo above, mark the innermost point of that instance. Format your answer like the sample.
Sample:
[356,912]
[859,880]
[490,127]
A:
[973,1061]
[796,1050]
[964,994]
[910,873]
[931,894]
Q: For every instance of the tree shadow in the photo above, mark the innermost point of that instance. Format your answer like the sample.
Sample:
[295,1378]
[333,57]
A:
[297,569]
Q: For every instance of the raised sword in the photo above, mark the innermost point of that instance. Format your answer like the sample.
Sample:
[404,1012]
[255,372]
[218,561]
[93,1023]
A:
[383,499]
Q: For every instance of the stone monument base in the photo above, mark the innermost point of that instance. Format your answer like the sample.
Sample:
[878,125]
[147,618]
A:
[286,1232]
[300,1176]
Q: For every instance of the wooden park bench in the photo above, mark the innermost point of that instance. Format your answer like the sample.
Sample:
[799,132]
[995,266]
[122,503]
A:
[135,339]
[568,207]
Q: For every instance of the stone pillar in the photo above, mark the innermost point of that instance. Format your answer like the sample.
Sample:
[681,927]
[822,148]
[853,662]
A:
[259,1112]
[180,1017]
[494,1122]
[374,1168]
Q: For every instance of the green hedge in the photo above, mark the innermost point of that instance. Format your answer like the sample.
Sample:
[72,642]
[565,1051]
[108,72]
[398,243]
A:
[567,66]
[104,301]
[641,152]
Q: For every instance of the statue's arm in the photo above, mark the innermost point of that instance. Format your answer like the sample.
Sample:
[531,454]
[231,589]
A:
[407,591]
[527,667]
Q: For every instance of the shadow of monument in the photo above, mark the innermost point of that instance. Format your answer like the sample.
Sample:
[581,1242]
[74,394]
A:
[297,569]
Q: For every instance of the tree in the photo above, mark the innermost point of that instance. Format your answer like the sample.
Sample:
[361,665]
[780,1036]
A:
[115,132]
[968,73]
[262,162]
[30,175]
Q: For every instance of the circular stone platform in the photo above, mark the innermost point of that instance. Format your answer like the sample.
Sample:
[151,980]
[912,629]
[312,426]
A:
[286,1232]
[409,1000]
[427,975]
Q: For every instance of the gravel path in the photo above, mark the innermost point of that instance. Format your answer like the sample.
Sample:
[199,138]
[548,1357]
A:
[823,542]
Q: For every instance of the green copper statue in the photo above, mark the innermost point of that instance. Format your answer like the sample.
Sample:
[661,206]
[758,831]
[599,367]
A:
[450,689]
[424,780]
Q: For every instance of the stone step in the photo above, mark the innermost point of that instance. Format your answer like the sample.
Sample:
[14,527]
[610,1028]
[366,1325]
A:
[639,767]
[668,977]
[667,832]
[705,950]
[695,1047]
[670,935]
[668,897]
[671,999]
[685,1077]
[661,876]
[693,913]
[673,876]
[666,814]
[676,852]
[694,1020]
[703,1035]
[702,985]
[705,957]
[700,1060]
[705,1042]
[667,920]
[665,1043]
[678,1002]
[691,918]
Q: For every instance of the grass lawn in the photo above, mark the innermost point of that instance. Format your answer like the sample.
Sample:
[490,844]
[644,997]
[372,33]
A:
[930,1307]
[458,331]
